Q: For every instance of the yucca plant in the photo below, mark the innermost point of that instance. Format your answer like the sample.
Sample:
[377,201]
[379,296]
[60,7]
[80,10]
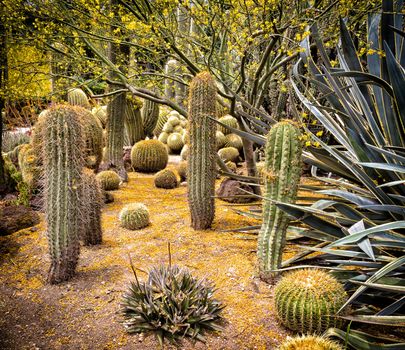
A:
[359,228]
[171,304]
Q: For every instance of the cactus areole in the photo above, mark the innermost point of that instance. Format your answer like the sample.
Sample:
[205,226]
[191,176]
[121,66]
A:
[281,177]
[202,151]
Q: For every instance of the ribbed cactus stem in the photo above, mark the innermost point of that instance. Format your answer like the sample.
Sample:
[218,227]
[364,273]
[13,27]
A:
[63,161]
[133,123]
[281,177]
[92,203]
[202,151]
[77,97]
[150,116]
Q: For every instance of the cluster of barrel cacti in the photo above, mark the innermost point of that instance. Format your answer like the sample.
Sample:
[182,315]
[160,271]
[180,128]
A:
[173,132]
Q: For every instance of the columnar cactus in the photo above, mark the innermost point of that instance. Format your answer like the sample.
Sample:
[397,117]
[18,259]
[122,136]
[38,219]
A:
[92,203]
[134,216]
[63,161]
[202,151]
[308,300]
[309,342]
[150,116]
[93,136]
[149,156]
[133,121]
[281,177]
[77,97]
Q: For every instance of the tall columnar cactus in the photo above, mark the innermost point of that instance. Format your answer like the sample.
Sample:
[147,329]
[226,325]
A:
[202,151]
[171,68]
[93,136]
[308,300]
[133,121]
[63,161]
[92,203]
[281,176]
[77,97]
[150,116]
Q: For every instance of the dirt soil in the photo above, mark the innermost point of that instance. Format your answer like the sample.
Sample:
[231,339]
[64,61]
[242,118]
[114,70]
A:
[84,312]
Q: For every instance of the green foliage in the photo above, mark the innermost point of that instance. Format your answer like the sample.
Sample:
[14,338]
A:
[24,192]
[134,216]
[63,161]
[229,154]
[149,156]
[171,304]
[108,180]
[202,147]
[77,97]
[92,203]
[281,178]
[166,178]
[307,301]
[309,342]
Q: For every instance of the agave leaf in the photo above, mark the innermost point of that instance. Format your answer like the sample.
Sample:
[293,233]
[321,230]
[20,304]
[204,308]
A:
[385,166]
[392,308]
[363,244]
[363,341]
[386,287]
[398,321]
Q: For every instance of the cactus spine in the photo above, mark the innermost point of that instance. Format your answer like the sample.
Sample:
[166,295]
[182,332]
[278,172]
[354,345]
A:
[202,151]
[92,233]
[133,122]
[282,174]
[63,161]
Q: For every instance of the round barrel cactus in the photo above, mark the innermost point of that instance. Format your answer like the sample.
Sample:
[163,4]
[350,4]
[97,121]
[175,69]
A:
[182,170]
[165,178]
[149,156]
[109,180]
[134,216]
[233,140]
[77,97]
[309,342]
[307,301]
[221,139]
[227,120]
[100,112]
[175,142]
[229,154]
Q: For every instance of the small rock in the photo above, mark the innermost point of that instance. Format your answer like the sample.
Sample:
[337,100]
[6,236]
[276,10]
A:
[16,217]
[233,191]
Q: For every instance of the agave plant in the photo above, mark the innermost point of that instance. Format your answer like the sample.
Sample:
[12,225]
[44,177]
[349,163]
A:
[171,304]
[359,228]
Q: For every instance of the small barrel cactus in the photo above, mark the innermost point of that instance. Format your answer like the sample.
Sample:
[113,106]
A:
[168,128]
[229,154]
[281,177]
[150,116]
[227,120]
[166,178]
[77,97]
[202,147]
[173,120]
[309,342]
[307,301]
[232,166]
[233,140]
[184,152]
[134,216]
[149,156]
[109,180]
[175,142]
[92,203]
[182,170]
[63,161]
[221,139]
[163,137]
[100,112]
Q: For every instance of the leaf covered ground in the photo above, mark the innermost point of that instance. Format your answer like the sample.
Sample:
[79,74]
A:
[84,312]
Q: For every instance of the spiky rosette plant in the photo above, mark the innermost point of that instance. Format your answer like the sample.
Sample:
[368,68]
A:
[109,180]
[172,304]
[166,178]
[309,342]
[202,147]
[63,161]
[308,300]
[134,216]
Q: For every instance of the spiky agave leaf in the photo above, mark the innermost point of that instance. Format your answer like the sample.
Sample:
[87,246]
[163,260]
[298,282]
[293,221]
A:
[171,304]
